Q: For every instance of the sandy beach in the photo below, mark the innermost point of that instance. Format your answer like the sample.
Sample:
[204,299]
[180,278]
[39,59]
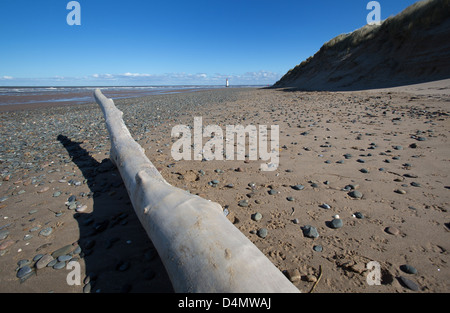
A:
[378,158]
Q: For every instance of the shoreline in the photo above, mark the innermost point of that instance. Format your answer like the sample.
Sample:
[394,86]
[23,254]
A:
[55,99]
[328,141]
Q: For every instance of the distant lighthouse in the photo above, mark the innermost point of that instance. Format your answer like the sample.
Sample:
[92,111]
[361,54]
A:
[226,84]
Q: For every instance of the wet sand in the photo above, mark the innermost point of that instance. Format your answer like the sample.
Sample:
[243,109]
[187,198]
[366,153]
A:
[41,97]
[389,145]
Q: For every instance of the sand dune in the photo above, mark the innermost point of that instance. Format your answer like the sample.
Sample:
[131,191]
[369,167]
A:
[411,47]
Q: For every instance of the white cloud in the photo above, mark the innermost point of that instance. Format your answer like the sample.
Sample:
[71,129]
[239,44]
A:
[250,78]
[102,76]
[135,75]
[130,79]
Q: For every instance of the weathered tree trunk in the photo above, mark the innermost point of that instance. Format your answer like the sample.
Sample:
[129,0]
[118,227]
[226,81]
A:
[201,250]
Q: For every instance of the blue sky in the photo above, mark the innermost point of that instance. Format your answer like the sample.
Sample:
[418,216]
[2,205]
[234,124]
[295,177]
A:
[169,42]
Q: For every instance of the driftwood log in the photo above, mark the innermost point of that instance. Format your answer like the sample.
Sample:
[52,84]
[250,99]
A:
[200,248]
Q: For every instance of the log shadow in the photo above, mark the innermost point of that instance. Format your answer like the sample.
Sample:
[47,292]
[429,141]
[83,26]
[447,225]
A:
[117,253]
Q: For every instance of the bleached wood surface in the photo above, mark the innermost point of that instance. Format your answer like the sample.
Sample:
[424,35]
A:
[201,249]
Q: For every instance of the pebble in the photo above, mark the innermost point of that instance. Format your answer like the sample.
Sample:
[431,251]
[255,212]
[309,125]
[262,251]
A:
[62,251]
[257,216]
[87,288]
[6,244]
[392,230]
[400,191]
[408,283]
[64,258]
[77,250]
[46,232]
[408,269]
[110,242]
[123,266]
[89,278]
[273,192]
[290,198]
[4,234]
[43,261]
[243,203]
[359,215]
[24,271]
[82,208]
[42,190]
[59,265]
[318,248]
[293,275]
[23,262]
[100,226]
[262,232]
[72,206]
[355,194]
[298,187]
[336,223]
[310,231]
[52,262]
[311,278]
[56,194]
[325,206]
[37,257]
[415,184]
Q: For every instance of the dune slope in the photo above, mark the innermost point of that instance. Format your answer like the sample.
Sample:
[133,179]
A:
[411,47]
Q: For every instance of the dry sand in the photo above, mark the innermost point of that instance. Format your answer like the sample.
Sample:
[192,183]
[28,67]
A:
[316,130]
